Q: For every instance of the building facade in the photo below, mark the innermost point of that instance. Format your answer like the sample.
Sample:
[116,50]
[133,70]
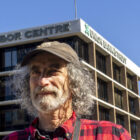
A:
[116,76]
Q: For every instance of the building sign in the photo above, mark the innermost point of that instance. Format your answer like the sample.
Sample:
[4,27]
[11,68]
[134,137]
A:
[104,44]
[70,28]
[34,33]
[56,30]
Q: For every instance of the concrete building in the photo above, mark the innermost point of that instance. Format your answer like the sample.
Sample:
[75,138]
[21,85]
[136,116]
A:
[116,76]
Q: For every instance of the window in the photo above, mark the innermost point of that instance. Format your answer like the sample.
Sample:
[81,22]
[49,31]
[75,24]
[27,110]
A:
[13,118]
[132,105]
[102,89]
[12,56]
[100,62]
[118,98]
[117,73]
[120,119]
[129,81]
[6,92]
[133,129]
[103,113]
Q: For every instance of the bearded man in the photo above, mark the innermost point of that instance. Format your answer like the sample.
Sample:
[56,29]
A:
[57,90]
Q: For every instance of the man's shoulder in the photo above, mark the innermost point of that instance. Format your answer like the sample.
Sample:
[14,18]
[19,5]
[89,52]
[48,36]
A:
[98,123]
[104,128]
[107,125]
[17,135]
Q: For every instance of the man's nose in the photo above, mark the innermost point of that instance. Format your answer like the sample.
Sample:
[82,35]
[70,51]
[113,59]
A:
[44,81]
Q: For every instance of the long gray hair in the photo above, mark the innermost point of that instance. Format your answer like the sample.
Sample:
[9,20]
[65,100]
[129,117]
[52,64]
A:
[81,85]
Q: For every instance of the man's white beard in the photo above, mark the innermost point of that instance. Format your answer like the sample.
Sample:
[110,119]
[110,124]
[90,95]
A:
[49,102]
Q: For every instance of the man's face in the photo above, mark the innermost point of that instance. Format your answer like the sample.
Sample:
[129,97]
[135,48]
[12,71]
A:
[48,82]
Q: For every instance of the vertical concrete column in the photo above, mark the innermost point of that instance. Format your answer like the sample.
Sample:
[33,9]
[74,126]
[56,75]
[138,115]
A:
[137,106]
[95,46]
[135,84]
[128,103]
[97,103]
[112,115]
[109,67]
[123,76]
[110,91]
[127,123]
[125,101]
[95,80]
[97,114]
[138,129]
[92,62]
[92,54]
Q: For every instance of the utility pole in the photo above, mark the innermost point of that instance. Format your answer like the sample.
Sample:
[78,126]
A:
[75,10]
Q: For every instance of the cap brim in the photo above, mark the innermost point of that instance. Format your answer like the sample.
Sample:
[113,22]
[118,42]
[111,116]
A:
[35,52]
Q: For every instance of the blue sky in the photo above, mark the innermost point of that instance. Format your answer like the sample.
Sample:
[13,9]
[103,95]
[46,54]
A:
[117,21]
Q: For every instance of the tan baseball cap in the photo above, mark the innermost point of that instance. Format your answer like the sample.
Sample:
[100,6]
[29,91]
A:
[61,50]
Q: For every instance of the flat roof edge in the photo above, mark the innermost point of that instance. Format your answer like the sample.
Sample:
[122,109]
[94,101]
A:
[90,33]
[39,33]
[65,29]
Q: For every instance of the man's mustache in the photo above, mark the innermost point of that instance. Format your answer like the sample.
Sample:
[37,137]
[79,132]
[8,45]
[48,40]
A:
[47,89]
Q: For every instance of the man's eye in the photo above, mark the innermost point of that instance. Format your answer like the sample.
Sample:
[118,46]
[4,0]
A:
[51,72]
[35,72]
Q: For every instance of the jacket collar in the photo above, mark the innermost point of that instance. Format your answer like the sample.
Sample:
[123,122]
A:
[67,128]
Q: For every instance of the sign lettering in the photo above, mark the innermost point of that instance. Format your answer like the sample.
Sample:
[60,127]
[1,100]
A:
[93,35]
[34,33]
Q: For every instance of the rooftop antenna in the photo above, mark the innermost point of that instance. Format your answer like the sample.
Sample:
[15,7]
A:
[75,9]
